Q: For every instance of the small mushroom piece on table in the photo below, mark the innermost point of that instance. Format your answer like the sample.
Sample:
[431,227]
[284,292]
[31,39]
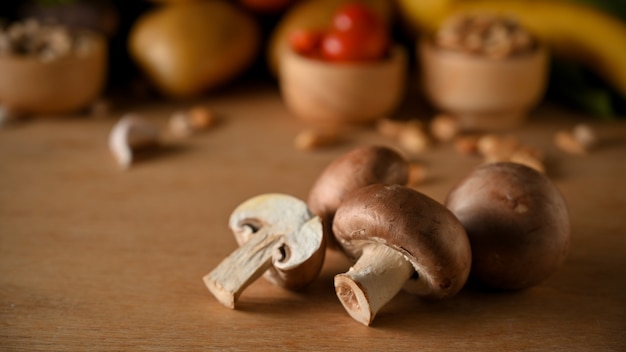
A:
[402,239]
[360,167]
[279,238]
[131,133]
[517,223]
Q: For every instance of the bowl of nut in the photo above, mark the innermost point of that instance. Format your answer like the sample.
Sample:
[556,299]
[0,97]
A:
[49,69]
[347,74]
[486,70]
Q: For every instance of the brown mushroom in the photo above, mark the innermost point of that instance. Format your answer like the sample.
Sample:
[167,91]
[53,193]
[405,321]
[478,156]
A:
[360,167]
[402,239]
[517,224]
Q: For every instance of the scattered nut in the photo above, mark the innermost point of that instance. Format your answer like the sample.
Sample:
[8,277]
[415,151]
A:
[130,133]
[201,118]
[585,135]
[530,157]
[466,145]
[496,147]
[444,127]
[186,123]
[566,141]
[390,128]
[579,141]
[532,151]
[179,124]
[485,34]
[410,135]
[312,139]
[413,139]
[417,174]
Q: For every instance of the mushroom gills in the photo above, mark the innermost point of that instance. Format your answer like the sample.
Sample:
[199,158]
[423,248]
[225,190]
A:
[279,238]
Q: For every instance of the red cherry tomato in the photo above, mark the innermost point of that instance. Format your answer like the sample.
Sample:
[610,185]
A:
[306,42]
[357,34]
[354,46]
[356,17]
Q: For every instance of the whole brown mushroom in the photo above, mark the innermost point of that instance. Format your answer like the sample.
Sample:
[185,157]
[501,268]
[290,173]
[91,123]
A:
[517,223]
[401,239]
[358,168]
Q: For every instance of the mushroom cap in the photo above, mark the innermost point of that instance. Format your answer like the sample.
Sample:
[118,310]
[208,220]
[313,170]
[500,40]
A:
[300,255]
[517,223]
[360,167]
[422,229]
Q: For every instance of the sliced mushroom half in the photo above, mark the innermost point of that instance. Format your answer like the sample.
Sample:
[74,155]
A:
[279,236]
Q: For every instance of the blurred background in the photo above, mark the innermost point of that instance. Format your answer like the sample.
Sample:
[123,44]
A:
[587,39]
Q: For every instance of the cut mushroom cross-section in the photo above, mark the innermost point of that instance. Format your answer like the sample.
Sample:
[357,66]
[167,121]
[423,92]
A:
[279,236]
[401,239]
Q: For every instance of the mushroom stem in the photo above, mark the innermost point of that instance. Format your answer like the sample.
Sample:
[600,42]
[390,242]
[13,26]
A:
[242,267]
[377,276]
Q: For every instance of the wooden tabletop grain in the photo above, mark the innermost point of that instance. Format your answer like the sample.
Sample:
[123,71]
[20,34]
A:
[94,258]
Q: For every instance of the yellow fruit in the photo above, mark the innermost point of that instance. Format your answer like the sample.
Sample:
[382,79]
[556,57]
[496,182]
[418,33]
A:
[313,14]
[424,15]
[188,48]
[574,31]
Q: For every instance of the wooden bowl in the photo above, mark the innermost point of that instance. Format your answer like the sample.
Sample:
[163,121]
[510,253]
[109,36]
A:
[66,84]
[330,93]
[483,93]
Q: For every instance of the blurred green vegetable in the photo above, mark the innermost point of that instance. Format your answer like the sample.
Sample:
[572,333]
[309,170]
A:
[616,8]
[578,87]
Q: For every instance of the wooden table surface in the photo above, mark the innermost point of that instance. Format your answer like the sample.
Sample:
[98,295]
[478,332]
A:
[96,258]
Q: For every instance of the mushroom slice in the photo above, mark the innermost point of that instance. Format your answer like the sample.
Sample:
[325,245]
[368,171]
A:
[130,133]
[517,223]
[360,167]
[401,239]
[279,236]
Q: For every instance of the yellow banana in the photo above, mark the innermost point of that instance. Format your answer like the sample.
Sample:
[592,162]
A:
[574,31]
[424,15]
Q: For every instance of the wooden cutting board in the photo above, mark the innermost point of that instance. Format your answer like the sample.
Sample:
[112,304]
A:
[96,258]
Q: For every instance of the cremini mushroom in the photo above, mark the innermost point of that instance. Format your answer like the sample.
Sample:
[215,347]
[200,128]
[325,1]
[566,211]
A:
[517,223]
[360,167]
[130,133]
[400,238]
[279,236]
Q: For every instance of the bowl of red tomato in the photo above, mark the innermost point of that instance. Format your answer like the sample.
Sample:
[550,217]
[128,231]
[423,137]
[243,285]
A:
[350,73]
